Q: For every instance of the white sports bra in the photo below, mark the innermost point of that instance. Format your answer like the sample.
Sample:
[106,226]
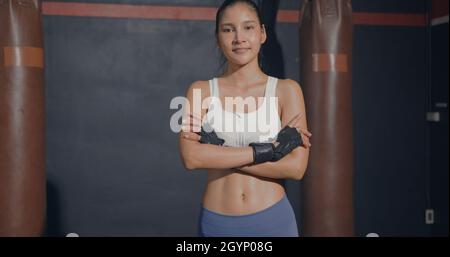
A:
[239,129]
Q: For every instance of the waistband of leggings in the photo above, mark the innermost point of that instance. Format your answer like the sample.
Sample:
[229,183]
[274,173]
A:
[266,211]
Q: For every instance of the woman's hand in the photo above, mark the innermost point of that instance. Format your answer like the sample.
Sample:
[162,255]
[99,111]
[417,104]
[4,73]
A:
[305,134]
[289,138]
[190,125]
[193,130]
[191,136]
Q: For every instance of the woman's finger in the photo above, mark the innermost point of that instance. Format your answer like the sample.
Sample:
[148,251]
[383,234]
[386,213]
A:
[294,120]
[302,130]
[191,136]
[305,132]
[297,122]
[186,128]
[191,120]
[191,125]
[306,142]
[195,118]
[189,116]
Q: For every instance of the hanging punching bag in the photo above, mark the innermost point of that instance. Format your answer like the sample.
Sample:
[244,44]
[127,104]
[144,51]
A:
[22,177]
[326,32]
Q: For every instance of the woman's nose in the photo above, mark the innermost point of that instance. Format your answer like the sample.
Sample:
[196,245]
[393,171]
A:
[239,37]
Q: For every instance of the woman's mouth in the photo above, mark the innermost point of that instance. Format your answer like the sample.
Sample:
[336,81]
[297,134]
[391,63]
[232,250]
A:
[240,50]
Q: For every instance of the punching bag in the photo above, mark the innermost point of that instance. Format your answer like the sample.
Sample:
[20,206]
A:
[22,175]
[326,32]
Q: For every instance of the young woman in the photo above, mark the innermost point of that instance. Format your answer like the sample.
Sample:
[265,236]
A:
[244,195]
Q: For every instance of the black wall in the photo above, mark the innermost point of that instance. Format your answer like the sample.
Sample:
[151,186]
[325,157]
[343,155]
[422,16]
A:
[438,131]
[112,162]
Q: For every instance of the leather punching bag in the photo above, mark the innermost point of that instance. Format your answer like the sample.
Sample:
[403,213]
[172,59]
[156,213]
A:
[326,33]
[22,175]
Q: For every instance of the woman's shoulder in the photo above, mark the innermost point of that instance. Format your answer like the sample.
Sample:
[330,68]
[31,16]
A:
[288,87]
[200,87]
[199,84]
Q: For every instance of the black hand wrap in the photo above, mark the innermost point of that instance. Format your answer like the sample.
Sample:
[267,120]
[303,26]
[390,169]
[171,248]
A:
[262,152]
[289,139]
[210,138]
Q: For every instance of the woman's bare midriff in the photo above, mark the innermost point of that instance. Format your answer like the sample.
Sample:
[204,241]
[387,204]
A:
[230,192]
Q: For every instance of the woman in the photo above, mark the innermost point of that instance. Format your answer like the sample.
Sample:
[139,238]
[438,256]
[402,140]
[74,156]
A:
[244,195]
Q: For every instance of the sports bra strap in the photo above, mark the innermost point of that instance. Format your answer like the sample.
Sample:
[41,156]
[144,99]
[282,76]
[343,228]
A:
[271,90]
[213,89]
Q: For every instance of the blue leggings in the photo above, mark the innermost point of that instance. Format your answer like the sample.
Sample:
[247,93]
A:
[275,221]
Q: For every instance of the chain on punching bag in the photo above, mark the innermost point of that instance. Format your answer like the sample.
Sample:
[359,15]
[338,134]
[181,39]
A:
[326,33]
[22,175]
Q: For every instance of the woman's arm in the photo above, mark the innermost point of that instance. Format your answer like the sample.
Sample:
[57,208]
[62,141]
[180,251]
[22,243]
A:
[287,168]
[294,165]
[202,156]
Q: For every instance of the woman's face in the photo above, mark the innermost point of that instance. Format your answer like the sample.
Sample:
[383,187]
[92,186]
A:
[240,34]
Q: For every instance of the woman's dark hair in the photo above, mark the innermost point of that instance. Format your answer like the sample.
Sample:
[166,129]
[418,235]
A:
[229,3]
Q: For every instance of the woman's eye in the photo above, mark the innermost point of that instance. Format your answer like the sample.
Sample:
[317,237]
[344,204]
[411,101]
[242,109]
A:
[249,27]
[226,30]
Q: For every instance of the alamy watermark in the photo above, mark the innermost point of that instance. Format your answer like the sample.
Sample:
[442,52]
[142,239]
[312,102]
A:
[233,112]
